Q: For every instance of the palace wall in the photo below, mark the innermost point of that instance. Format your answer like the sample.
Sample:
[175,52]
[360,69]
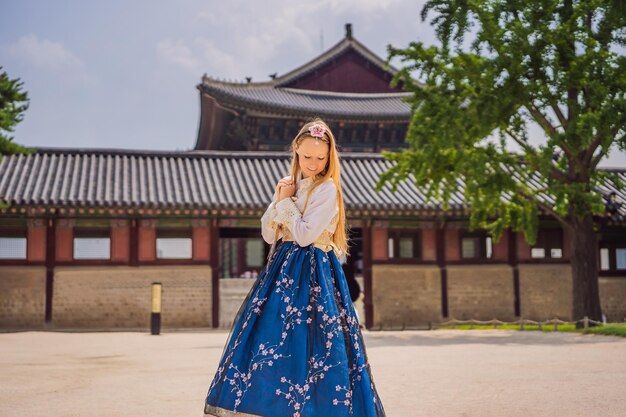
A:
[546,292]
[407,296]
[481,292]
[406,293]
[613,297]
[119,297]
[22,297]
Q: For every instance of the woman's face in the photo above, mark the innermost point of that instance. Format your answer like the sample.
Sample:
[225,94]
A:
[312,157]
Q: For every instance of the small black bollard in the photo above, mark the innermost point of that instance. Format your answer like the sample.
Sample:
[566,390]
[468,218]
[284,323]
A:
[155,316]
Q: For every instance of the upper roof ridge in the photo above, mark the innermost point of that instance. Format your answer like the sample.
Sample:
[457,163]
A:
[347,43]
[341,47]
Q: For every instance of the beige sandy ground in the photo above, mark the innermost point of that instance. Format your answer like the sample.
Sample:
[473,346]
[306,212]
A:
[477,373]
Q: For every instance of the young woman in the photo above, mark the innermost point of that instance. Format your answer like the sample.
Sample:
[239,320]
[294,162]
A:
[295,348]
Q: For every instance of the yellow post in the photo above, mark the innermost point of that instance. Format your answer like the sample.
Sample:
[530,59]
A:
[155,316]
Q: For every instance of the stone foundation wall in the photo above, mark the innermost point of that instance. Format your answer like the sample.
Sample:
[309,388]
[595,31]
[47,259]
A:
[120,297]
[613,298]
[405,296]
[22,297]
[546,291]
[481,292]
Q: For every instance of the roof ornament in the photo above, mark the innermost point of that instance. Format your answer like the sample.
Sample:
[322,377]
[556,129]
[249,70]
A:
[349,31]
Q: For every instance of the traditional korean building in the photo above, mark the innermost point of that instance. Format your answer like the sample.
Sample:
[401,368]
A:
[348,86]
[84,233]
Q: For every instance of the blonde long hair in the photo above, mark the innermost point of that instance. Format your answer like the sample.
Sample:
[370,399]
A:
[332,171]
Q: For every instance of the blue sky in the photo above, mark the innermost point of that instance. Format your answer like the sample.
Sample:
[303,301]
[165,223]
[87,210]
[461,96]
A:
[123,74]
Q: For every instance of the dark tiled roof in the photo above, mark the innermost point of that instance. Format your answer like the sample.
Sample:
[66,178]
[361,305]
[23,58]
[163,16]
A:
[276,97]
[266,97]
[195,179]
[337,50]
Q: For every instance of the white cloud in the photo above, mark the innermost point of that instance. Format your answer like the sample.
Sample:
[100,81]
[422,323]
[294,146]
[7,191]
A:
[269,37]
[178,53]
[251,54]
[207,17]
[215,60]
[43,53]
[259,38]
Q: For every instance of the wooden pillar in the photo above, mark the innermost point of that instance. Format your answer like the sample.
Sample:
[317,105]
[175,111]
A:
[215,278]
[50,262]
[134,242]
[441,262]
[512,240]
[367,273]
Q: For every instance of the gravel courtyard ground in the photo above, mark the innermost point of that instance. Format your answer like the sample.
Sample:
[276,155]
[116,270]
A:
[442,373]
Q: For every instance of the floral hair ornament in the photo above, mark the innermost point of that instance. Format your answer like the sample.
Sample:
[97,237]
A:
[317,131]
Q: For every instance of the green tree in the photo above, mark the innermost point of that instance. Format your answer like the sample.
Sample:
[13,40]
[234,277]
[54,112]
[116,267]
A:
[13,104]
[502,65]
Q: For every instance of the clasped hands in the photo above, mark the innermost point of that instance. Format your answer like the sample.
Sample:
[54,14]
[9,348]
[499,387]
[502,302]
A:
[285,188]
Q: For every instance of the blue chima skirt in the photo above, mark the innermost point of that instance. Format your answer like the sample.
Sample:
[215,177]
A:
[295,347]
